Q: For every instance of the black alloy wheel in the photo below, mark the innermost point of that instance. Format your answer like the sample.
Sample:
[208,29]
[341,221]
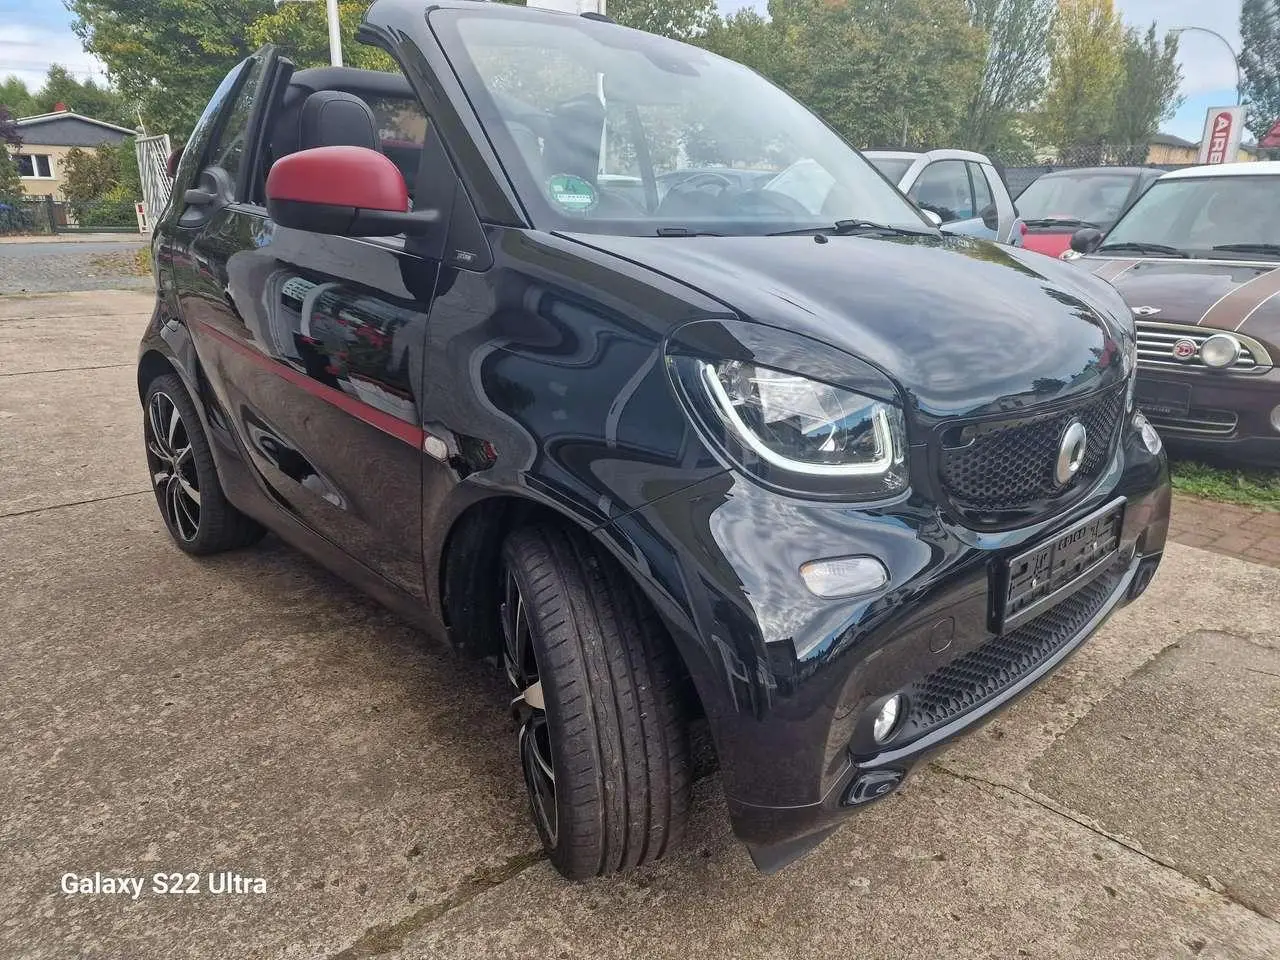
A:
[183,476]
[599,694]
[173,468]
[530,710]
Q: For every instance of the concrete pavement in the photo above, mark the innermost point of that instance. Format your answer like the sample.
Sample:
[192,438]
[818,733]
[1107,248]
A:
[251,713]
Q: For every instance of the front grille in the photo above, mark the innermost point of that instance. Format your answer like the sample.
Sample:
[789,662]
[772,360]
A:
[971,680]
[1006,466]
[1156,340]
[1200,421]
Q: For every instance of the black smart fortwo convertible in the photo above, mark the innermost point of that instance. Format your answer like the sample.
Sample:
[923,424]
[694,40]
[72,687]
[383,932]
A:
[595,353]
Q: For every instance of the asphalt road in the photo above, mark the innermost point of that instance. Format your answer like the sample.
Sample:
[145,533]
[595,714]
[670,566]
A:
[252,714]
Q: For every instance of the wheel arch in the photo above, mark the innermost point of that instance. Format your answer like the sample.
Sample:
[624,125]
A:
[469,566]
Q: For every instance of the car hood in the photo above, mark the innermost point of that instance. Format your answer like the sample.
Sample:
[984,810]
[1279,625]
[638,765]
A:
[963,326]
[1228,295]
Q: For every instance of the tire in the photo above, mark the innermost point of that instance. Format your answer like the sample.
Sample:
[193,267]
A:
[180,464]
[612,729]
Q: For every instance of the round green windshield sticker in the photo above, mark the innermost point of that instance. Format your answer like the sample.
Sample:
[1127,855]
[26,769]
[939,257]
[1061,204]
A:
[571,193]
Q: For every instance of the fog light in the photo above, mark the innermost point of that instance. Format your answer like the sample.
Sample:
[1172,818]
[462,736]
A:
[1275,419]
[1220,351]
[1150,439]
[844,576]
[887,719]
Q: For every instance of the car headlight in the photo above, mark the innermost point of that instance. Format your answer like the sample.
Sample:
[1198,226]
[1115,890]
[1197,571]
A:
[1150,439]
[1130,371]
[805,432]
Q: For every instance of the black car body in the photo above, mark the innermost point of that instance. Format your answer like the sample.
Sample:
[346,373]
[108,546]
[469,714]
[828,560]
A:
[408,408]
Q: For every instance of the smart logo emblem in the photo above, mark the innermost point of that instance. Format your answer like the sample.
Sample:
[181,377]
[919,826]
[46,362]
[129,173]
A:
[1071,452]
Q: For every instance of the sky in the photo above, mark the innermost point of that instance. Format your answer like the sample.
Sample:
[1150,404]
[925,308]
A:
[36,33]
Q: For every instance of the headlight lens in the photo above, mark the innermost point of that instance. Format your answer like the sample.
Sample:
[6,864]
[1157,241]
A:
[811,429]
[1150,439]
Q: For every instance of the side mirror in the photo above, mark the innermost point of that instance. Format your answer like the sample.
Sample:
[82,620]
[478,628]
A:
[933,217]
[1086,240]
[347,191]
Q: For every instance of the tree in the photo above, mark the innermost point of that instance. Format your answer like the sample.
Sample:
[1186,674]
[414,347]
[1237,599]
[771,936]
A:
[10,144]
[168,55]
[90,174]
[681,19]
[1260,64]
[1085,68]
[746,37]
[15,95]
[880,73]
[301,31]
[1013,76]
[84,97]
[1148,92]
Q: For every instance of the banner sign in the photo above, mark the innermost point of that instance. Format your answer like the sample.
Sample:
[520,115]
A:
[1223,127]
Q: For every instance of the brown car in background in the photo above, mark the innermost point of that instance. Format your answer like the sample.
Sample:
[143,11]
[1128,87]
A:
[1197,258]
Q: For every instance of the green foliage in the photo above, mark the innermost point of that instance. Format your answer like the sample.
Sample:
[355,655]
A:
[1256,488]
[858,63]
[168,55]
[90,174]
[10,184]
[1260,63]
[15,95]
[1013,76]
[1148,92]
[681,19]
[1085,68]
[302,33]
[86,98]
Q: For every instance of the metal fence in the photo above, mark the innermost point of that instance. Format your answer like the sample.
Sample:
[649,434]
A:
[39,215]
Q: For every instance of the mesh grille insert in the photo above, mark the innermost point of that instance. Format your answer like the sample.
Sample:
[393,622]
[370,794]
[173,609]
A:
[1008,465]
[981,674]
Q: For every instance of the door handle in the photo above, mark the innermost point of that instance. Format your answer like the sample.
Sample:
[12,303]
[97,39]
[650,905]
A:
[199,198]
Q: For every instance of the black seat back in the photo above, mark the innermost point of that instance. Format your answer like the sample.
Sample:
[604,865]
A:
[332,118]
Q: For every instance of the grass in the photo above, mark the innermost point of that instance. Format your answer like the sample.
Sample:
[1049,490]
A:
[1250,487]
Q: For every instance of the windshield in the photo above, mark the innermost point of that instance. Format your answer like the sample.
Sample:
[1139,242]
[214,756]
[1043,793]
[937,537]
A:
[610,130]
[1094,197]
[891,167]
[1197,216]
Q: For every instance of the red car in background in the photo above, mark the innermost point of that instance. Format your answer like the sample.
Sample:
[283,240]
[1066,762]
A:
[1058,204]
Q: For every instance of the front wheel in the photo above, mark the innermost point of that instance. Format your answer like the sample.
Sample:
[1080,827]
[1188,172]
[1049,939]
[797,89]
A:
[603,740]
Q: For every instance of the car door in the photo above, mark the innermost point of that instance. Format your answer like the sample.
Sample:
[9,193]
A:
[944,188]
[312,345]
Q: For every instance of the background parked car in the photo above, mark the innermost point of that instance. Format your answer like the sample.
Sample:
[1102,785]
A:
[1197,258]
[1058,204]
[961,187]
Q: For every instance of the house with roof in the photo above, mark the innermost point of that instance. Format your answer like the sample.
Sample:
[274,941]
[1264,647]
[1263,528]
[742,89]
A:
[46,141]
[1168,149]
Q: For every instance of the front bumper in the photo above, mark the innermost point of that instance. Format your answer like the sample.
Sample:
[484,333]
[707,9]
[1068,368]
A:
[1229,415]
[791,682]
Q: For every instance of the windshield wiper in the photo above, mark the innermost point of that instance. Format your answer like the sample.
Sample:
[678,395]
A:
[685,232]
[1271,248]
[843,228]
[1143,247]
[1061,222]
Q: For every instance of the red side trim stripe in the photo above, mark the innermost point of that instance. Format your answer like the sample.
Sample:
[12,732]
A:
[378,419]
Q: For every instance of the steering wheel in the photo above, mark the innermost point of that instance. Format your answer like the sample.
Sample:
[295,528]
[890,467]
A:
[700,180]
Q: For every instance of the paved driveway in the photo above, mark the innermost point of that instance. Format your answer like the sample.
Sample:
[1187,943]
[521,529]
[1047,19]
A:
[40,265]
[252,714]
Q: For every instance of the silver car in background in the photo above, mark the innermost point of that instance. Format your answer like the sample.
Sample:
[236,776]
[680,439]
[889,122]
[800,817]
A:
[960,187]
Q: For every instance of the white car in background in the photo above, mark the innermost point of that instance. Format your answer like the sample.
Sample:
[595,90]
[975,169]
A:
[960,187]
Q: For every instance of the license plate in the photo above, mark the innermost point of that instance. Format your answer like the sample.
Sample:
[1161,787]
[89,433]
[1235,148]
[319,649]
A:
[1038,578]
[1164,399]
